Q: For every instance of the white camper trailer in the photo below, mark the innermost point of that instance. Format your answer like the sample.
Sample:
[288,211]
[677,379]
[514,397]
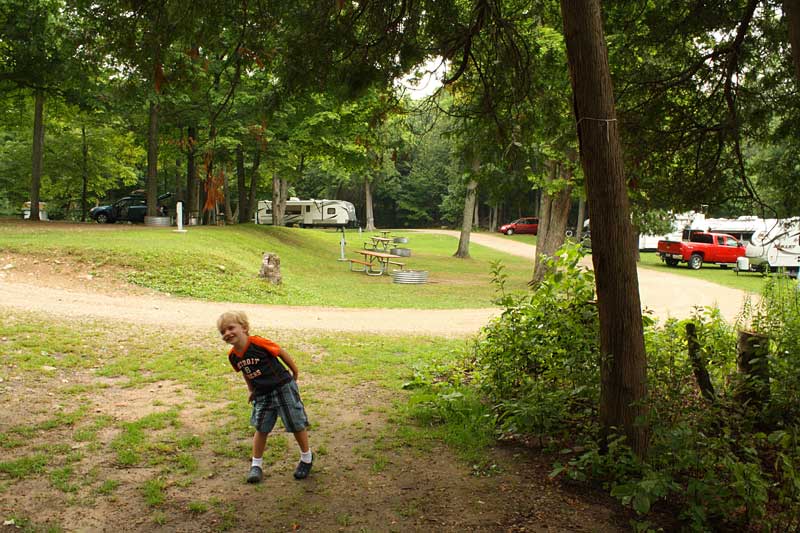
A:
[776,246]
[743,228]
[310,213]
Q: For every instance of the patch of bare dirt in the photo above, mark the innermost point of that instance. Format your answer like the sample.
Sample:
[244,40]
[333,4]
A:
[68,273]
[366,476]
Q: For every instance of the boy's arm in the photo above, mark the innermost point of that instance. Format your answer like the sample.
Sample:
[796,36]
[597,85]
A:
[286,358]
[249,387]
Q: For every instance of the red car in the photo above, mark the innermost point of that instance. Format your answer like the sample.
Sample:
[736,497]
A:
[522,225]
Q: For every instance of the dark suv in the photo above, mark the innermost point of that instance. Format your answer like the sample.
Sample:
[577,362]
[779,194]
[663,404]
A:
[127,209]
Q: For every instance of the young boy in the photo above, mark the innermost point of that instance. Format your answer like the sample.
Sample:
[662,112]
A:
[273,390]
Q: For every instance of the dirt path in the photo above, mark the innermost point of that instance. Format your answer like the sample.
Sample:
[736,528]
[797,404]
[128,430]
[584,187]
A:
[71,293]
[667,295]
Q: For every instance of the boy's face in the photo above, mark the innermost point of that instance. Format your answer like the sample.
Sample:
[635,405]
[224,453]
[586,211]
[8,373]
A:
[233,333]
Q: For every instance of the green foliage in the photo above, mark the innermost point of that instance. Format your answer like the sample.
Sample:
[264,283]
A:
[153,492]
[24,466]
[538,361]
[717,464]
[777,315]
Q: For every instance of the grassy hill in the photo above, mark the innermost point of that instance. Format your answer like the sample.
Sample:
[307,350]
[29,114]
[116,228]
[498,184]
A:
[222,264]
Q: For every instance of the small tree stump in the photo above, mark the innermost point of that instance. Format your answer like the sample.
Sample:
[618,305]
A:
[753,362]
[271,268]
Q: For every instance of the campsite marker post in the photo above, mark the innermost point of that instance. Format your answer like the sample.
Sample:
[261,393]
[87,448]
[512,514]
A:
[342,244]
[179,216]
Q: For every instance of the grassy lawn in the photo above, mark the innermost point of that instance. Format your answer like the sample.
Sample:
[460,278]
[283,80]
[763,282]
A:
[222,264]
[750,281]
[142,422]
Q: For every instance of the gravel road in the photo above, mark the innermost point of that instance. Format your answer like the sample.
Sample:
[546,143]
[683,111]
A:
[665,294]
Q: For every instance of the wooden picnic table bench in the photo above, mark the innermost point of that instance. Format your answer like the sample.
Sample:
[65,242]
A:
[383,242]
[372,257]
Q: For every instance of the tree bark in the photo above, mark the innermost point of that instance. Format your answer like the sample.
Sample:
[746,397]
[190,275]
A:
[581,218]
[241,183]
[753,362]
[38,154]
[252,201]
[152,161]
[84,173]
[368,213]
[278,200]
[792,10]
[192,200]
[180,195]
[226,191]
[623,365]
[466,223]
[554,212]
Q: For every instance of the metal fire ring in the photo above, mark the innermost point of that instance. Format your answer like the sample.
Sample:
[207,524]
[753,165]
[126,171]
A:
[410,276]
[402,252]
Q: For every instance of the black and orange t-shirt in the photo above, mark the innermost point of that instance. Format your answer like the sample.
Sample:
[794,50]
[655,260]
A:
[260,365]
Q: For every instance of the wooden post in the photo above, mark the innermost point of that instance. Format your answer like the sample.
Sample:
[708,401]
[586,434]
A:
[753,361]
[698,363]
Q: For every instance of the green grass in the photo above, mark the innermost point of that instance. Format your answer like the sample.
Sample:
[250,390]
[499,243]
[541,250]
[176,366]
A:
[222,264]
[749,281]
[25,466]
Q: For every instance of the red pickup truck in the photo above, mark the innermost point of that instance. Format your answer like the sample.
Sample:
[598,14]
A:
[701,248]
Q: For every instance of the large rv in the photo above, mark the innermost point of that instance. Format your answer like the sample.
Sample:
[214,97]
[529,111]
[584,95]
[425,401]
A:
[743,228]
[310,213]
[776,246]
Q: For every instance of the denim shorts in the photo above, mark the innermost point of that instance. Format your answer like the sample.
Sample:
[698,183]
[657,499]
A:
[284,402]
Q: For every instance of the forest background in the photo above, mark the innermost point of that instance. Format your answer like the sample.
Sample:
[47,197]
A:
[234,99]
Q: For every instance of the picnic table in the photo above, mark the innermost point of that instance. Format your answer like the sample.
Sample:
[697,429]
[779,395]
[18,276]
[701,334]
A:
[373,259]
[383,242]
[384,232]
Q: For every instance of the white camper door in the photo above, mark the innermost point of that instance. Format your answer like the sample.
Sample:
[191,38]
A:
[264,212]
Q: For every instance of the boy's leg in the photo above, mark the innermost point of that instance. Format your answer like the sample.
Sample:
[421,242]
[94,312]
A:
[257,467]
[302,440]
[306,457]
[259,443]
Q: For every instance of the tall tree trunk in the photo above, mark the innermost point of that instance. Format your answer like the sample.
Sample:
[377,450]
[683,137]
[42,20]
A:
[792,10]
[226,191]
[84,173]
[368,214]
[466,221]
[252,201]
[192,190]
[152,161]
[241,183]
[581,217]
[476,219]
[180,195]
[38,154]
[623,366]
[553,216]
[278,200]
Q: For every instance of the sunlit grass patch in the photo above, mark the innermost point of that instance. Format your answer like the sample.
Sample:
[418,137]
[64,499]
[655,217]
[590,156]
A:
[24,466]
[132,441]
[153,491]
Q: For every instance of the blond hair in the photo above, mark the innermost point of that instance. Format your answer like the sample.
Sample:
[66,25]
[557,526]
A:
[236,317]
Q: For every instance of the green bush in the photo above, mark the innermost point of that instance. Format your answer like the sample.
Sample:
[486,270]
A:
[715,463]
[538,361]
